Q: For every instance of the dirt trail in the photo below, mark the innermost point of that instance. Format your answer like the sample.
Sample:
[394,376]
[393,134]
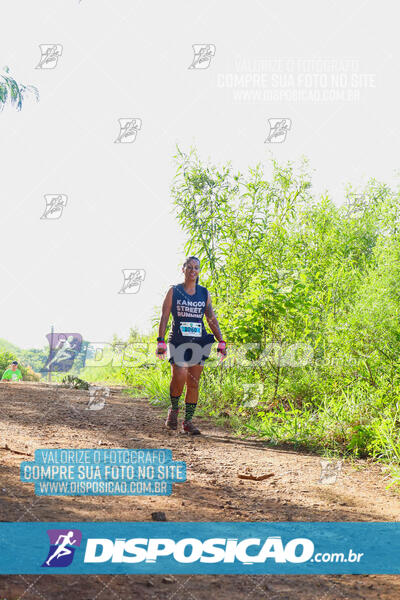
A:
[47,416]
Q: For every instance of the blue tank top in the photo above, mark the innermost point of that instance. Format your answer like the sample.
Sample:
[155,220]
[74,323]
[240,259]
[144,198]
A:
[187,315]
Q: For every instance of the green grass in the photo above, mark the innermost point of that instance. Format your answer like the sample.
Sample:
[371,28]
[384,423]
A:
[350,424]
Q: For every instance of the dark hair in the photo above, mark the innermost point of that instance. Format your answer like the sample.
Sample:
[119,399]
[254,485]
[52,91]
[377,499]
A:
[192,258]
[14,362]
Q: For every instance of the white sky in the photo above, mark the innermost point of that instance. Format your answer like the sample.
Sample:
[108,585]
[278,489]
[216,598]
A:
[123,58]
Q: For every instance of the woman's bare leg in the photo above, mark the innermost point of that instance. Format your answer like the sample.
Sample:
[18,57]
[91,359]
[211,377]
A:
[179,376]
[192,383]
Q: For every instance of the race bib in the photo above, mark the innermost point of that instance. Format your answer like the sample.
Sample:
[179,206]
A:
[191,329]
[14,377]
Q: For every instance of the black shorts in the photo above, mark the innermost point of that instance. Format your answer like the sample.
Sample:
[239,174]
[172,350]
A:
[190,352]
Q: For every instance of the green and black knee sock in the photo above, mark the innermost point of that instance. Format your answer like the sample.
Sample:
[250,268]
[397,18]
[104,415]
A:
[189,411]
[174,402]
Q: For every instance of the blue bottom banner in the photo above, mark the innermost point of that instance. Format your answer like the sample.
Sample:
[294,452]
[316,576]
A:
[192,548]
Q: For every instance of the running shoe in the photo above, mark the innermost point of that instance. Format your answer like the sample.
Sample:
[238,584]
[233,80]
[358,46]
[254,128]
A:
[172,418]
[188,427]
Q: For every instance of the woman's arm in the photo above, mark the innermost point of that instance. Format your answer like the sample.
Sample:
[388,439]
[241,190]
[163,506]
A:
[212,319]
[166,311]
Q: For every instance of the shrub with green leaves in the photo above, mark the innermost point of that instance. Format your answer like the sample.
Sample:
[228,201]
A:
[13,92]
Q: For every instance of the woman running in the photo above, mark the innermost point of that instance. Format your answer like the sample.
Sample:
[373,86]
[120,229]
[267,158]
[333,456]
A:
[189,344]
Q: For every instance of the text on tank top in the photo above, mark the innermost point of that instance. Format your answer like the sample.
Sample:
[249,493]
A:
[188,312]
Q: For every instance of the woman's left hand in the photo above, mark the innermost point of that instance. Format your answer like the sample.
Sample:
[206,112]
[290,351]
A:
[222,348]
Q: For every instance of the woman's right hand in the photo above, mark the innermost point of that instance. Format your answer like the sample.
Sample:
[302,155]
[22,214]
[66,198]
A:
[161,348]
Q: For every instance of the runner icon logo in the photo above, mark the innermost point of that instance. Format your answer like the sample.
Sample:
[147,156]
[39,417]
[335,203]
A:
[128,129]
[203,53]
[64,348]
[132,280]
[50,53]
[63,543]
[97,397]
[55,204]
[330,471]
[278,129]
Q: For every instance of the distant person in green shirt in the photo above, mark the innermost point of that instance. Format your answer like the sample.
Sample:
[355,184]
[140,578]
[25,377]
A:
[12,373]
